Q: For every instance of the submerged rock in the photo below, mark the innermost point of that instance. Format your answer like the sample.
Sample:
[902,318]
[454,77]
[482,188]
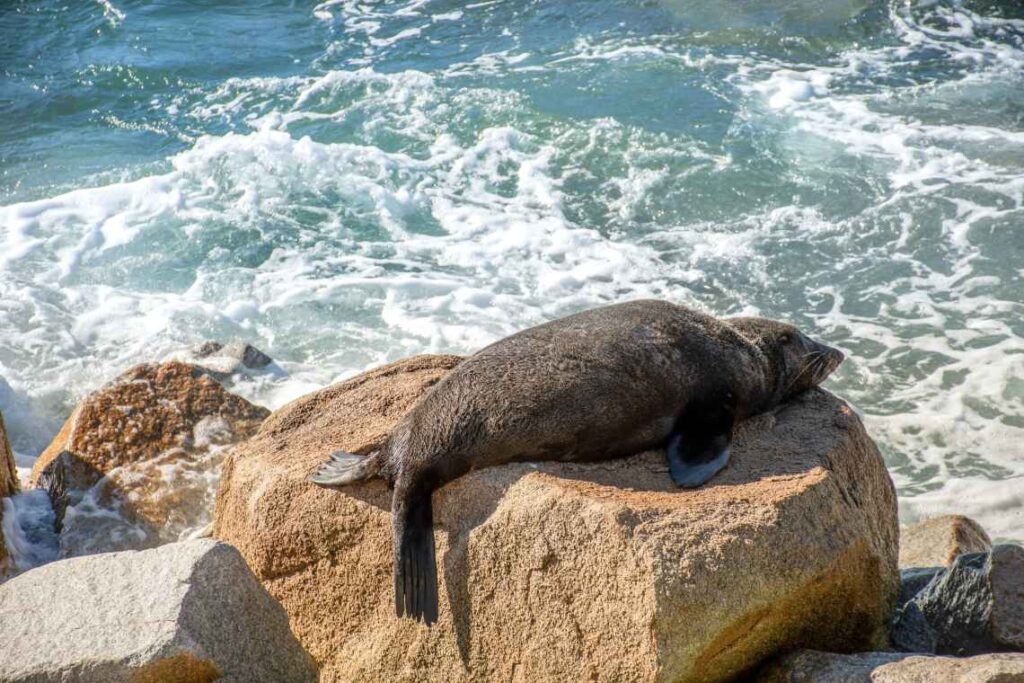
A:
[9,485]
[224,361]
[893,667]
[973,607]
[136,464]
[938,541]
[186,612]
[562,571]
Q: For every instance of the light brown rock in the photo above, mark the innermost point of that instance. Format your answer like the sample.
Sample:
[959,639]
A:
[561,571]
[9,485]
[148,448]
[893,667]
[938,541]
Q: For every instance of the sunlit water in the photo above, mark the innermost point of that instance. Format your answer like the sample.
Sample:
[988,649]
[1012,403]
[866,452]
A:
[353,182]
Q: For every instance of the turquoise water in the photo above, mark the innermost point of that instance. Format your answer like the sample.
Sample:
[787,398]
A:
[347,183]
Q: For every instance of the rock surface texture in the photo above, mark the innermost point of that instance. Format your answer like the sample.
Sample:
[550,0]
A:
[8,487]
[133,466]
[186,612]
[975,606]
[558,571]
[938,541]
[893,667]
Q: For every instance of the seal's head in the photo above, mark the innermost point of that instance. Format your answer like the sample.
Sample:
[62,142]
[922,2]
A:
[796,362]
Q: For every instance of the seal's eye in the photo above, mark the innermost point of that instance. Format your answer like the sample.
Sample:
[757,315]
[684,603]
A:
[785,339]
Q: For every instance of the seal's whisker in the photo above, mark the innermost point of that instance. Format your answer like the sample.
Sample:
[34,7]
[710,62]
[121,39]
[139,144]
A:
[807,364]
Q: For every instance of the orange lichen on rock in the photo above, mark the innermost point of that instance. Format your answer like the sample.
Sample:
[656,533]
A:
[147,446]
[182,668]
[145,412]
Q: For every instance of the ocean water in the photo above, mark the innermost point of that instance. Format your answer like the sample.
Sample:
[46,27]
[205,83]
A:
[350,182]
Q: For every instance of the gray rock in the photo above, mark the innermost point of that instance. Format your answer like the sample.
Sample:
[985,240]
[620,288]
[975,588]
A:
[224,360]
[66,479]
[913,581]
[186,612]
[1006,576]
[809,666]
[973,607]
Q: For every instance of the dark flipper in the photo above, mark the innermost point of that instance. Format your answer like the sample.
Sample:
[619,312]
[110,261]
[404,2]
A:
[345,468]
[698,447]
[415,566]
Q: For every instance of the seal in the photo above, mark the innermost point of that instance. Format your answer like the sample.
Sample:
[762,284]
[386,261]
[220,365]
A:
[605,383]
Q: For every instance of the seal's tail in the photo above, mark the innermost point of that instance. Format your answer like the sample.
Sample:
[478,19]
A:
[345,468]
[415,566]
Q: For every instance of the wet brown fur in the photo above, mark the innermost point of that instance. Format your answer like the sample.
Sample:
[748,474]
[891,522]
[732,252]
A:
[601,384]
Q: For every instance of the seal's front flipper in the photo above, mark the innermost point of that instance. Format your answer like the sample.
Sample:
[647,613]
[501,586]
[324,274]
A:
[345,468]
[699,448]
[415,565]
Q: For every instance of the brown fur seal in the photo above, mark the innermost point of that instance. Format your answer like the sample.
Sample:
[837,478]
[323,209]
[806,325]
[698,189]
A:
[601,384]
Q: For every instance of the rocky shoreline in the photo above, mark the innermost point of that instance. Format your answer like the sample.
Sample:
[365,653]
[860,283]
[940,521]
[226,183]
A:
[789,566]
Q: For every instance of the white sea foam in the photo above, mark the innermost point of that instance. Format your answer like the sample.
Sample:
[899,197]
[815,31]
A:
[113,14]
[937,422]
[436,290]
[785,87]
[28,533]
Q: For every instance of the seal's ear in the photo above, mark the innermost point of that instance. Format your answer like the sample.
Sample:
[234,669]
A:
[698,449]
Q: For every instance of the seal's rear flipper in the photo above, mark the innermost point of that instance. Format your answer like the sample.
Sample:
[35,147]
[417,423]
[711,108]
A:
[415,566]
[696,450]
[345,468]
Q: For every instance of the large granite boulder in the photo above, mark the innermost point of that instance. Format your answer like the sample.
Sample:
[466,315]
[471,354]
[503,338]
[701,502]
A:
[560,571]
[893,667]
[187,612]
[975,606]
[9,485]
[136,463]
[938,541]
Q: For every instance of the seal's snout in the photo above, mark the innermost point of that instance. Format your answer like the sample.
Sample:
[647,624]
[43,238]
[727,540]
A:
[828,359]
[834,356]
